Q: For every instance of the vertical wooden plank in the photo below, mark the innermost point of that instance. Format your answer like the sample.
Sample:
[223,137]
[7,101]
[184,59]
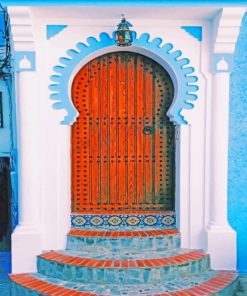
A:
[76,145]
[74,183]
[103,98]
[148,137]
[122,145]
[130,122]
[169,147]
[118,200]
[80,138]
[140,97]
[112,131]
[158,141]
[84,125]
[135,130]
[89,135]
[94,123]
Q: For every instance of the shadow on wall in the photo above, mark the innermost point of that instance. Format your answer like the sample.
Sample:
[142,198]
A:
[237,175]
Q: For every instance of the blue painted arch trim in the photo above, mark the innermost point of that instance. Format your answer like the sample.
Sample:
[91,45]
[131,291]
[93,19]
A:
[186,82]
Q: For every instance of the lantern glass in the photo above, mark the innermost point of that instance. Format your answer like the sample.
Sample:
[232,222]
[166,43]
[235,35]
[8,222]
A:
[123,35]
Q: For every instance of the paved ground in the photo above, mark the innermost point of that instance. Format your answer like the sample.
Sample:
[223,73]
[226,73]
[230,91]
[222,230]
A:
[4,288]
[242,285]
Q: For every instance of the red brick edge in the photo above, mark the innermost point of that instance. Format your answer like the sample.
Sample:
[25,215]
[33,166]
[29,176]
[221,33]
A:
[108,233]
[30,282]
[220,281]
[131,263]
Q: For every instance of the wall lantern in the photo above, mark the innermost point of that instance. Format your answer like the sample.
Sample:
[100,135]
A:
[123,35]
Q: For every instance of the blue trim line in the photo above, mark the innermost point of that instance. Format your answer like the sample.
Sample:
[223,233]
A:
[185,92]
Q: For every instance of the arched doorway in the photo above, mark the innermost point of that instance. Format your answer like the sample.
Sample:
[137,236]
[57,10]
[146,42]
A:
[123,148]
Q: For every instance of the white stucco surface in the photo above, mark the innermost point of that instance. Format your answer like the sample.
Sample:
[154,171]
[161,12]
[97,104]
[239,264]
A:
[45,144]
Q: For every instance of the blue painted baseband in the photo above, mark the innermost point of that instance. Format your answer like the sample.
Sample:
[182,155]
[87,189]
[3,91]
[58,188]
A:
[5,264]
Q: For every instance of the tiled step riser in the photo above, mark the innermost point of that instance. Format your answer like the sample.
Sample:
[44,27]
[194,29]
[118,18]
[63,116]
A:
[229,290]
[121,275]
[219,285]
[117,244]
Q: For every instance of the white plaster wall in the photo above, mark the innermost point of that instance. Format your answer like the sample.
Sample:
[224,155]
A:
[55,138]
[194,141]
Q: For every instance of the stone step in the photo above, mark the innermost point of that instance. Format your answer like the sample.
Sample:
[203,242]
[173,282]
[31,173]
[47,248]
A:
[129,268]
[209,283]
[116,240]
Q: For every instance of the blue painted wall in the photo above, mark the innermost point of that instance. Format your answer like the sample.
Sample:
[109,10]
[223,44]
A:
[8,144]
[237,189]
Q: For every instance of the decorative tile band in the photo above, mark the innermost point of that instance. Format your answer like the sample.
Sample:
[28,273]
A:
[166,220]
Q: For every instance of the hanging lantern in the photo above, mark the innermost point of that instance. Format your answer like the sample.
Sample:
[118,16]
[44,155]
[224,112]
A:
[123,35]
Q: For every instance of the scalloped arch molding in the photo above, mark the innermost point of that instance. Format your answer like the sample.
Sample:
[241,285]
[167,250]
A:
[185,94]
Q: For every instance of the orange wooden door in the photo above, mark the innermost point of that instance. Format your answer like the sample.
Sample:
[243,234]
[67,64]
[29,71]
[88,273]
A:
[122,141]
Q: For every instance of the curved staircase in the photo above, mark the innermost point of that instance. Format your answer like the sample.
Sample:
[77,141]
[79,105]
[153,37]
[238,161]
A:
[130,261]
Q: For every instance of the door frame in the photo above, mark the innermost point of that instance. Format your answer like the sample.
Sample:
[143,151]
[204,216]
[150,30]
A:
[182,143]
[190,207]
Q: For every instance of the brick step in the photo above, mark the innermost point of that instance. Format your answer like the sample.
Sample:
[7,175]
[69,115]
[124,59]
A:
[116,240]
[140,267]
[209,283]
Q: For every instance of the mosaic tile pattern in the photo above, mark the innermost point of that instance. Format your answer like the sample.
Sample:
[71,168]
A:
[165,220]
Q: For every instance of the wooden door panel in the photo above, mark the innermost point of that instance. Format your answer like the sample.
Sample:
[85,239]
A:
[122,141]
